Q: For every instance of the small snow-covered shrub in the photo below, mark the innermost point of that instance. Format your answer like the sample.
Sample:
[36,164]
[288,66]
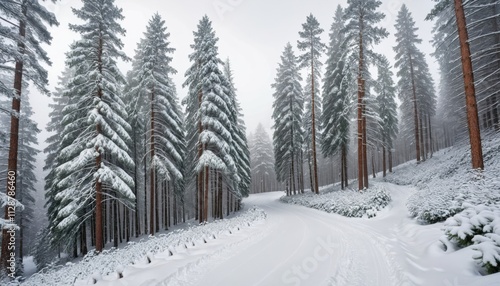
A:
[474,220]
[478,226]
[488,255]
[348,203]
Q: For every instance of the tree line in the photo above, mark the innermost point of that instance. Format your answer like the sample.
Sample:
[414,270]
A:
[384,133]
[124,159]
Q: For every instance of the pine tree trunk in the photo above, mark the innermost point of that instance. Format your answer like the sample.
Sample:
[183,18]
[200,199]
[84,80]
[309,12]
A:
[145,168]
[384,166]
[415,110]
[470,90]
[84,249]
[200,174]
[219,183]
[346,174]
[360,134]
[390,160]
[422,139]
[205,199]
[114,221]
[373,164]
[315,162]
[9,214]
[136,188]
[365,144]
[157,203]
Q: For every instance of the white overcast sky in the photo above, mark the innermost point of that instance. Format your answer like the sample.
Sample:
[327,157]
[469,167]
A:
[252,33]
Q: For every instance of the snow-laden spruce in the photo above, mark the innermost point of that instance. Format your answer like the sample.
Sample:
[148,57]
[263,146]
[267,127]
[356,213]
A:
[337,100]
[288,136]
[312,49]
[349,203]
[387,109]
[111,263]
[94,153]
[153,95]
[216,140]
[415,84]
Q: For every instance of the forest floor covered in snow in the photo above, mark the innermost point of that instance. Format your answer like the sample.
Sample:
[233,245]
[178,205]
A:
[433,220]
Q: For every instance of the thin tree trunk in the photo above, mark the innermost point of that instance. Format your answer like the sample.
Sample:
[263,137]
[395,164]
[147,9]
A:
[114,222]
[360,134]
[205,199]
[384,166]
[415,109]
[373,164]
[390,160]
[136,189]
[422,139]
[315,162]
[365,145]
[470,89]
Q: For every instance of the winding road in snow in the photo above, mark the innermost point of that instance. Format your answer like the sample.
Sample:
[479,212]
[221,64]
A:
[302,246]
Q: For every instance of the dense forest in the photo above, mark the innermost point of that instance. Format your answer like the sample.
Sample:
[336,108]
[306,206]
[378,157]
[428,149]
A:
[128,157]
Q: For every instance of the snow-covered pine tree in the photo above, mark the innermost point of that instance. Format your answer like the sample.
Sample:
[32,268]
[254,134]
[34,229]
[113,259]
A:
[387,108]
[337,101]
[455,12]
[164,127]
[240,150]
[312,48]
[361,32]
[262,159]
[208,117]
[287,114]
[92,163]
[308,126]
[23,30]
[409,60]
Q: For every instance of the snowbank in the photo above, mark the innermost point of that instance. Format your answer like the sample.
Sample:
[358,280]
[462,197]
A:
[348,203]
[112,262]
[446,182]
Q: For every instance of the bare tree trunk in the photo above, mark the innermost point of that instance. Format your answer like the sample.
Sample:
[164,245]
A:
[422,139]
[9,214]
[384,166]
[470,89]
[390,160]
[315,162]
[415,109]
[365,145]
[205,199]
[360,134]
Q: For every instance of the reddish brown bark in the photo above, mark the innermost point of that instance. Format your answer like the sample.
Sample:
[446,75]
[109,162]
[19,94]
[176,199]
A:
[470,89]
[13,145]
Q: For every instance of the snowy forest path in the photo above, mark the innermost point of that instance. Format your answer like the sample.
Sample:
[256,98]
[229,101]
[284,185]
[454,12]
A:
[303,246]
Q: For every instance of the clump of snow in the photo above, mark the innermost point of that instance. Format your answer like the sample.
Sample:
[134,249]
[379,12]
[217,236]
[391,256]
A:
[447,183]
[478,226]
[113,262]
[348,203]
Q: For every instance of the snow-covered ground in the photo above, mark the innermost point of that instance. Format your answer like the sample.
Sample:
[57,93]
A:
[296,245]
[274,243]
[149,261]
